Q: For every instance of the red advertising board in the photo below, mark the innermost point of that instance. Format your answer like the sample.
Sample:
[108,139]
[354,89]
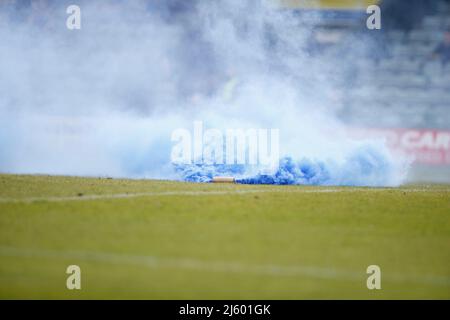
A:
[425,146]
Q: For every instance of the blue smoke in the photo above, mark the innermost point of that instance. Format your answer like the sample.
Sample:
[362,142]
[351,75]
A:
[365,166]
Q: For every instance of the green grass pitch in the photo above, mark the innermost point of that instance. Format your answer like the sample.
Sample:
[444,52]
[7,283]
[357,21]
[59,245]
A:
[146,239]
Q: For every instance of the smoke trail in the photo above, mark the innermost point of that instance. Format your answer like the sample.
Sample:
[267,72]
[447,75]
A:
[104,100]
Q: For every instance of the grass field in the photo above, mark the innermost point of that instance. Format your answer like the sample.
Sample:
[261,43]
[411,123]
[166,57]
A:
[160,239]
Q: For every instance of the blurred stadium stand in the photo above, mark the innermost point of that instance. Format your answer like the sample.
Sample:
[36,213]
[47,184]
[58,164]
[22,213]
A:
[401,72]
[396,85]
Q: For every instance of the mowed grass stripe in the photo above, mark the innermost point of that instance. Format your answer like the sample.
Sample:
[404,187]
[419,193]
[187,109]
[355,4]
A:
[218,266]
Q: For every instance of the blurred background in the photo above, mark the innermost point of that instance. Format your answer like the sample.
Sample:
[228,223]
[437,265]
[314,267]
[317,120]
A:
[398,85]
[393,82]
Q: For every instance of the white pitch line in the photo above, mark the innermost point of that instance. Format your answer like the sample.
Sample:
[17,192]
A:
[216,266]
[204,193]
[152,194]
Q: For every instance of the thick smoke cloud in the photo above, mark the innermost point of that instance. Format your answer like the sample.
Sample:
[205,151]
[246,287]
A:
[105,99]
